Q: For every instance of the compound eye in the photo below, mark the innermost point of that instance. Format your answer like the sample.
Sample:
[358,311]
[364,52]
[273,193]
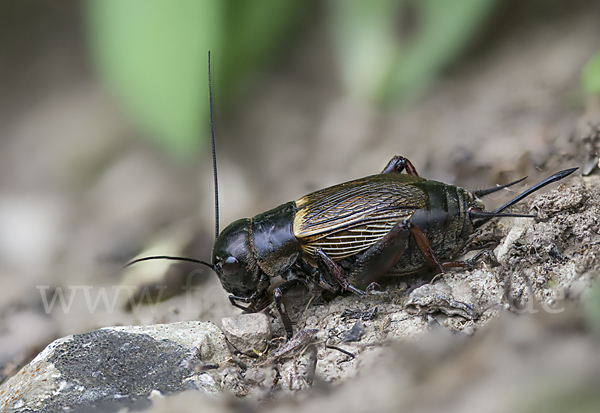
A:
[231,265]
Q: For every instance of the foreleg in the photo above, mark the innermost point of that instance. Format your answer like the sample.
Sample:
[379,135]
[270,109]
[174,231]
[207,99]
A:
[278,293]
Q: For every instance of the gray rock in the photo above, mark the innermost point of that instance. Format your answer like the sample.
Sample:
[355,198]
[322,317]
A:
[431,298]
[117,367]
[248,332]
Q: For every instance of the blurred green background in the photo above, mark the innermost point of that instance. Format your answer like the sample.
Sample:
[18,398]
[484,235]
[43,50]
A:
[152,53]
[153,56]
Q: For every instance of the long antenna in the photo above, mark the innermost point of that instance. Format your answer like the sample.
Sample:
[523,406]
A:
[168,257]
[214,156]
[214,152]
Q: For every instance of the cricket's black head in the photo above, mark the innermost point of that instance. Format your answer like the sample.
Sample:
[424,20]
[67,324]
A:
[233,260]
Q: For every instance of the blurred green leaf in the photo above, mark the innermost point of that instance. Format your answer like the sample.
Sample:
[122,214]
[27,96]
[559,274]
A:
[255,31]
[153,54]
[590,75]
[584,399]
[592,308]
[389,49]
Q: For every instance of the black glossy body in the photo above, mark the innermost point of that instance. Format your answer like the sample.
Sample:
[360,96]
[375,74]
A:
[346,236]
[281,241]
[264,246]
[275,246]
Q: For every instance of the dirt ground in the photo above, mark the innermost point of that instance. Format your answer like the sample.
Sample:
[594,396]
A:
[81,194]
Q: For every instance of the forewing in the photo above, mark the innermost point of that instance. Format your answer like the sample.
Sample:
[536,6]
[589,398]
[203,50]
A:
[346,219]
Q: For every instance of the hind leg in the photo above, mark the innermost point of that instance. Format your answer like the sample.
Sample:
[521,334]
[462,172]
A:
[373,264]
[398,164]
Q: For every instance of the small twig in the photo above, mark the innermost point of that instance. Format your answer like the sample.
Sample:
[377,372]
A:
[407,318]
[319,321]
[295,367]
[275,379]
[301,338]
[341,350]
[306,310]
[387,317]
[311,368]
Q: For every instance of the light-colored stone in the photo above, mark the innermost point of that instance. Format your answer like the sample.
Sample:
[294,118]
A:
[248,333]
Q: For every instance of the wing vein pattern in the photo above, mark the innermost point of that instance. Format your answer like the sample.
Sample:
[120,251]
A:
[346,219]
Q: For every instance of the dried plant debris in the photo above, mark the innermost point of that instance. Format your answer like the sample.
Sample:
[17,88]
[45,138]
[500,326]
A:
[295,344]
[354,333]
[431,298]
[591,142]
[365,314]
